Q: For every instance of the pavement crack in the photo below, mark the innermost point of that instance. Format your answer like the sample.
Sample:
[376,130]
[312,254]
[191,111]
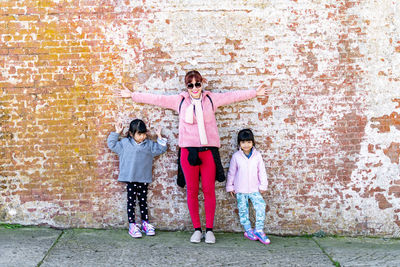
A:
[52,246]
[335,263]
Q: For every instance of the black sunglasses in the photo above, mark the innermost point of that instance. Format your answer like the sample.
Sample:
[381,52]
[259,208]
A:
[191,85]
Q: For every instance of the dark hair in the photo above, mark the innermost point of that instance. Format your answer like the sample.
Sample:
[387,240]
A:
[245,135]
[193,74]
[136,126]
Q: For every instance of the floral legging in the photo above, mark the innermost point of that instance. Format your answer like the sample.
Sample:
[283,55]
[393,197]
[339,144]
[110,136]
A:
[258,205]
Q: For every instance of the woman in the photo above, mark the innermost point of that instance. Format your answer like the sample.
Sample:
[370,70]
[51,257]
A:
[198,141]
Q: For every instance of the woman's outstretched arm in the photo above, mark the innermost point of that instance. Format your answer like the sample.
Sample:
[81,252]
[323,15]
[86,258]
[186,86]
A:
[221,99]
[164,101]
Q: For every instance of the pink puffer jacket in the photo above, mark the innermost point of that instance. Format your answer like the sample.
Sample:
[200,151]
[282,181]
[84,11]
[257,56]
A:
[246,175]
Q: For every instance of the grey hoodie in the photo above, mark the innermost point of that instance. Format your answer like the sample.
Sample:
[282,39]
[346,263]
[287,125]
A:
[135,160]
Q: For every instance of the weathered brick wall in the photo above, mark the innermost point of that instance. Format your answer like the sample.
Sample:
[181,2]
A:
[329,132]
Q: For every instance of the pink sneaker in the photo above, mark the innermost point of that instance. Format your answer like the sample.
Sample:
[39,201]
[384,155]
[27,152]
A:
[134,231]
[262,237]
[250,235]
[148,229]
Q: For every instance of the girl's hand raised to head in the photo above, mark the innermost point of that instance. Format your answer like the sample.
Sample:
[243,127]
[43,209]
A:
[119,127]
[261,89]
[159,132]
[123,92]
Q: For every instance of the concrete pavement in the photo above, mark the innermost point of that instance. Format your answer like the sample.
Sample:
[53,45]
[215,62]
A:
[36,246]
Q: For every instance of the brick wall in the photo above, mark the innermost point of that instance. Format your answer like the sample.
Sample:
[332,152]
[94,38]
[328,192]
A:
[329,132]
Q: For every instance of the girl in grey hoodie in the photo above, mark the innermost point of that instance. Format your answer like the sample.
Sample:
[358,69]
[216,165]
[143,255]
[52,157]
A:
[136,154]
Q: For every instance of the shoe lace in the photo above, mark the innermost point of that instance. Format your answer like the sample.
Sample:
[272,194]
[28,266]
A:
[148,226]
[134,228]
[262,234]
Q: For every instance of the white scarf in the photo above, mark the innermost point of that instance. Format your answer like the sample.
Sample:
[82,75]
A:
[195,105]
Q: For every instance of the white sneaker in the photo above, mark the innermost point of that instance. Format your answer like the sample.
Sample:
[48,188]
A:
[196,237]
[134,230]
[210,238]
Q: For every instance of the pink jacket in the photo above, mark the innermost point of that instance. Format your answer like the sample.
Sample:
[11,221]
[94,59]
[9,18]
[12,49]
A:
[246,175]
[188,133]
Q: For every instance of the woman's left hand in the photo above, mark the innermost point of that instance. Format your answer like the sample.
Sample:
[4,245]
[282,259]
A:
[261,89]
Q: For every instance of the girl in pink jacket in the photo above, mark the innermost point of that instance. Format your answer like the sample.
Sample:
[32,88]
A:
[198,141]
[247,179]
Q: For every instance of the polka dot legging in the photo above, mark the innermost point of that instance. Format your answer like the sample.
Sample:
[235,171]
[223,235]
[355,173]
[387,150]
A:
[138,190]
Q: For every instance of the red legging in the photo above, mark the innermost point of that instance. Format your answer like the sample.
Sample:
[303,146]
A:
[207,171]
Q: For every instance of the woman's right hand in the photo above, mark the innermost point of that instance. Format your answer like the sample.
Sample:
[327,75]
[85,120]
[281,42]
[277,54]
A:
[123,92]
[232,193]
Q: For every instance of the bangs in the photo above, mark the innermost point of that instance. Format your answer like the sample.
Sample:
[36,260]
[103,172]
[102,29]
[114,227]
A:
[245,138]
[141,128]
